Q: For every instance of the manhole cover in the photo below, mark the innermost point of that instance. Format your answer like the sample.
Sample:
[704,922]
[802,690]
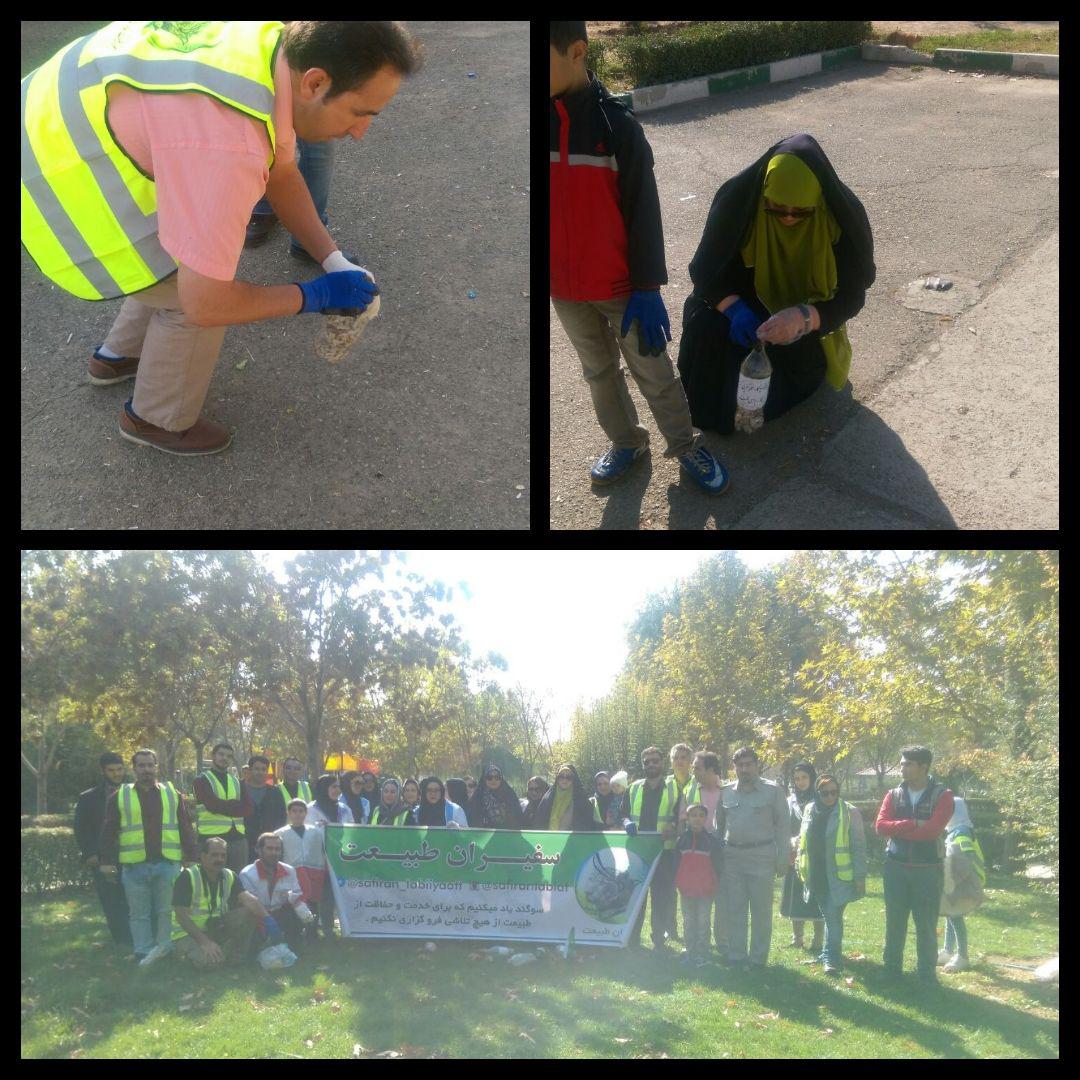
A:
[964,293]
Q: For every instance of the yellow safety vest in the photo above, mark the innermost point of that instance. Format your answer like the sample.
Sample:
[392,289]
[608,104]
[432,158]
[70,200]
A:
[970,847]
[399,819]
[212,823]
[842,850]
[132,837]
[666,813]
[202,901]
[303,791]
[689,792]
[89,214]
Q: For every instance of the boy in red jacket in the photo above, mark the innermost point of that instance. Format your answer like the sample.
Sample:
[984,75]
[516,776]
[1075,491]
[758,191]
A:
[607,265]
[913,817]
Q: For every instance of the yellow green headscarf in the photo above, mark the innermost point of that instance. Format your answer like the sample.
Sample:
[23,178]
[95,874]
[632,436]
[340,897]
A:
[794,264]
[560,804]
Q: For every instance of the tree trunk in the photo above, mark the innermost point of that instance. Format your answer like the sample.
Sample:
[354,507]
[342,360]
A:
[42,779]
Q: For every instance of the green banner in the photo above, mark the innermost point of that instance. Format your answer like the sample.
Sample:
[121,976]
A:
[430,882]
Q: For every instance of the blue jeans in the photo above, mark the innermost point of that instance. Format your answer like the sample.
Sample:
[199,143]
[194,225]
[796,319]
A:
[148,886]
[316,163]
[831,954]
[956,935]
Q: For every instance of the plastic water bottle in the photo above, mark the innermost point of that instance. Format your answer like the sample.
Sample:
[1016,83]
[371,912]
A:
[754,377]
[342,329]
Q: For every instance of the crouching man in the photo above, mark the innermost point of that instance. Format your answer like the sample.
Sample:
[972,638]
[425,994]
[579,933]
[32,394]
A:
[275,890]
[213,918]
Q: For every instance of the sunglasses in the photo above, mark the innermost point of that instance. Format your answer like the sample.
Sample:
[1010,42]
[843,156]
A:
[828,793]
[789,213]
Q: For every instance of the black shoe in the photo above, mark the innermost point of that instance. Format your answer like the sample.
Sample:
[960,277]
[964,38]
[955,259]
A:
[259,228]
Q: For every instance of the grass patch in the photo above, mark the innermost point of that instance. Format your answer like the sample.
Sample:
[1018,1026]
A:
[1019,41]
[79,998]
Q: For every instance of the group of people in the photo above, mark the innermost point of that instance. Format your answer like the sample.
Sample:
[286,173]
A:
[252,873]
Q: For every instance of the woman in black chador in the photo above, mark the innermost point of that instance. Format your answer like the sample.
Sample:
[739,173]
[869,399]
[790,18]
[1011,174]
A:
[787,256]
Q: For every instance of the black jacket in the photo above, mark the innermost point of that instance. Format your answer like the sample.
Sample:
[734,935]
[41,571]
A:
[89,814]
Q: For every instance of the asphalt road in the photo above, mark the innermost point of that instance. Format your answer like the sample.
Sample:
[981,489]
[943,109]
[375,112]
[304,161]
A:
[425,427]
[959,178]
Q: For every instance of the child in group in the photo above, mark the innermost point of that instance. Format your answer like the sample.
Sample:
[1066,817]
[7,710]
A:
[697,876]
[303,848]
[965,877]
[607,266]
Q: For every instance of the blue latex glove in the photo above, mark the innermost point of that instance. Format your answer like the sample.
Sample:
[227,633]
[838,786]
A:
[647,307]
[273,931]
[346,289]
[744,324]
[631,829]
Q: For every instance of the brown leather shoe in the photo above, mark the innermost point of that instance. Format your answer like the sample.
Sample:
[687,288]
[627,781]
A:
[107,372]
[259,228]
[203,437]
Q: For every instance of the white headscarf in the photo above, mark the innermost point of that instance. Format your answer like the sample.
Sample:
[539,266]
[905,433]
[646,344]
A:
[960,818]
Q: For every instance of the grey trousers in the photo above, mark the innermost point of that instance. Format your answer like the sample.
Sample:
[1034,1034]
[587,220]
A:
[747,884]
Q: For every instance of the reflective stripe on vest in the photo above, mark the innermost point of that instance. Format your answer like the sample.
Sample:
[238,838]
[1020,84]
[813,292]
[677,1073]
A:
[303,791]
[845,871]
[690,791]
[132,837]
[970,847]
[669,796]
[89,214]
[201,900]
[212,823]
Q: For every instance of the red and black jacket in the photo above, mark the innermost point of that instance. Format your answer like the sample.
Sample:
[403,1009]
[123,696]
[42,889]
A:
[606,236]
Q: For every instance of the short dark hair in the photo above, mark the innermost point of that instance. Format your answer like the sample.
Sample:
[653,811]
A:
[258,757]
[220,746]
[919,754]
[142,753]
[563,34]
[267,836]
[110,757]
[206,841]
[350,52]
[288,759]
[652,750]
[708,759]
[744,751]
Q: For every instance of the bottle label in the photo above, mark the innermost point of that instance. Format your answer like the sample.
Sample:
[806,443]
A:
[752,393]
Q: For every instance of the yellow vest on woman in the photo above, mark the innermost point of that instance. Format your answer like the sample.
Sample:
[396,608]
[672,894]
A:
[89,214]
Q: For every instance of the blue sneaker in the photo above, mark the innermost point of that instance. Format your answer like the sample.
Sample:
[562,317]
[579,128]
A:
[705,470]
[613,463]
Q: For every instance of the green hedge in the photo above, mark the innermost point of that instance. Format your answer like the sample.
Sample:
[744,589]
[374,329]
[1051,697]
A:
[50,860]
[711,47]
[48,821]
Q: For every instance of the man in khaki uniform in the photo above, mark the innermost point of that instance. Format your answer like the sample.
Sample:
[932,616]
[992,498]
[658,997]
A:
[755,851]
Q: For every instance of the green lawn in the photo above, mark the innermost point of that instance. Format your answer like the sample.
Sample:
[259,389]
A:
[79,999]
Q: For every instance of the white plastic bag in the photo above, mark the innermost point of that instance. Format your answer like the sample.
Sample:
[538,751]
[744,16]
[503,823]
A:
[277,956]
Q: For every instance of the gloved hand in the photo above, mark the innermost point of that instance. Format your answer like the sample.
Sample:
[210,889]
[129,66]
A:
[341,289]
[631,829]
[744,324]
[647,307]
[273,930]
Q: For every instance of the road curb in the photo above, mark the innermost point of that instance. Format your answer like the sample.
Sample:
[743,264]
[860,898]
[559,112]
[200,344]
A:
[646,98]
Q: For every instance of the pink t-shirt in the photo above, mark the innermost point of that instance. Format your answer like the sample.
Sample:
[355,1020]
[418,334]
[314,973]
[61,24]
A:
[209,164]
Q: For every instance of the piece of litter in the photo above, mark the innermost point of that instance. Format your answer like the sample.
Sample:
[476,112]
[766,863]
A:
[972,329]
[472,74]
[471,294]
[683,198]
[519,487]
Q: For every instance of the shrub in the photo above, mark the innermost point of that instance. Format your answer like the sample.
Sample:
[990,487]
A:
[50,860]
[48,821]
